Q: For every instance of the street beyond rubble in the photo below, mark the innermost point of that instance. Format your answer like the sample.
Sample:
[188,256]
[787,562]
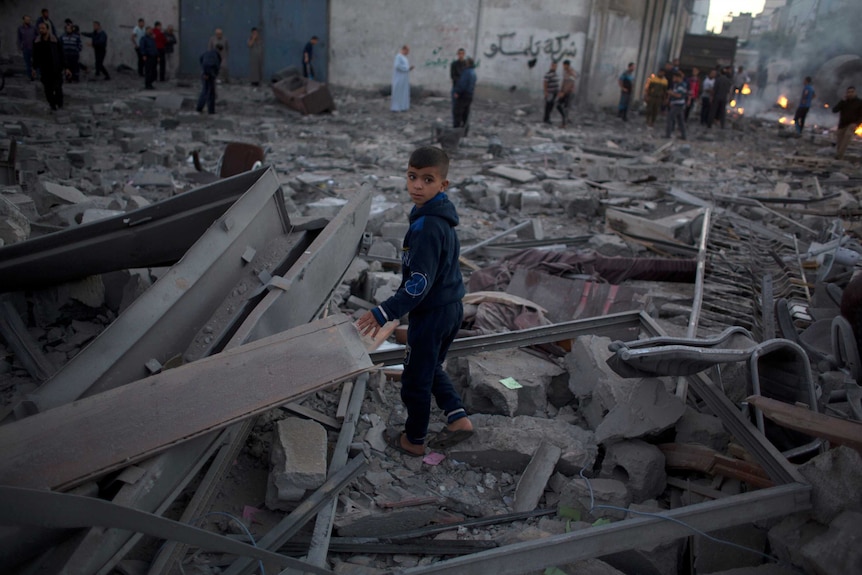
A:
[619,421]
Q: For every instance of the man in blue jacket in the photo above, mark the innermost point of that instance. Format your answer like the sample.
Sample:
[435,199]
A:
[100,47]
[150,55]
[210,64]
[463,94]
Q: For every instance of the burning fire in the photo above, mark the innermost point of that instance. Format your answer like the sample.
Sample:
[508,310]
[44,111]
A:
[782,120]
[825,105]
[858,131]
[742,111]
[746,90]
[782,101]
[733,103]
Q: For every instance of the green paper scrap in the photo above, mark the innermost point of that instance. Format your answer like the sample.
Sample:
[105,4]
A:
[511,383]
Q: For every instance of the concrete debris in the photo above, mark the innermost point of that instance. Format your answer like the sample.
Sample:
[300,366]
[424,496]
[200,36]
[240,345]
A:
[607,216]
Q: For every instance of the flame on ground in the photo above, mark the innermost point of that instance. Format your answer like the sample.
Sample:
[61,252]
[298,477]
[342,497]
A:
[741,111]
[746,90]
[782,120]
[733,103]
[782,101]
[825,105]
[858,131]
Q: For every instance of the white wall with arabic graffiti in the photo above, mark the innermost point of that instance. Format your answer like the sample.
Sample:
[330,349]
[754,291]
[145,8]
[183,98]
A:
[513,42]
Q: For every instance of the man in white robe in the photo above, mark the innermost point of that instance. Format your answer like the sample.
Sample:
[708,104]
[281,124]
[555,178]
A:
[401,81]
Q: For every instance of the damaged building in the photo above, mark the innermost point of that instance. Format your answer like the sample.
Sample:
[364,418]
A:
[659,353]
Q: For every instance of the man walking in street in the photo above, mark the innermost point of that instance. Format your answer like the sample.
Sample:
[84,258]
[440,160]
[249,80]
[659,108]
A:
[308,58]
[550,87]
[138,33]
[150,54]
[655,94]
[804,104]
[567,91]
[626,81]
[455,68]
[720,94]
[677,97]
[48,60]
[463,95]
[99,41]
[220,44]
[161,44]
[26,36]
[72,47]
[210,63]
[850,110]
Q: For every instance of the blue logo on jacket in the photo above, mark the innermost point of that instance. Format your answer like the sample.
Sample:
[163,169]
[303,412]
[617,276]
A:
[416,285]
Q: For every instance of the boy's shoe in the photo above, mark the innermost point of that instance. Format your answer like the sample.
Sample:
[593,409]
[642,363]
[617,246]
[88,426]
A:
[453,434]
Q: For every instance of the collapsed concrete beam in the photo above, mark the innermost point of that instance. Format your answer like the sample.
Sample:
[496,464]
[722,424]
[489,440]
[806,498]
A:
[155,235]
[66,445]
[162,322]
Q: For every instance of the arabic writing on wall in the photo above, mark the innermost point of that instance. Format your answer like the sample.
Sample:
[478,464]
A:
[558,47]
[437,61]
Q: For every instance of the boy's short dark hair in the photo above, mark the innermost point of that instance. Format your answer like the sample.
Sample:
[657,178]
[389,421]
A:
[430,157]
[567,62]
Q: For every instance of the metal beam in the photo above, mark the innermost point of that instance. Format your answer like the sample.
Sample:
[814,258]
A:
[162,322]
[34,507]
[155,235]
[641,532]
[611,325]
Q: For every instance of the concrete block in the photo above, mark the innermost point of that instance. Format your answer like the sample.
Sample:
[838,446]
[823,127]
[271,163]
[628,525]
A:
[703,429]
[839,550]
[514,174]
[508,443]
[650,409]
[298,456]
[534,231]
[380,284]
[639,465]
[483,392]
[576,494]
[151,177]
[610,245]
[133,145]
[582,205]
[531,201]
[63,194]
[90,291]
[383,211]
[791,534]
[834,477]
[490,204]
[14,225]
[591,380]
[511,198]
[24,203]
[382,248]
[80,158]
[325,208]
[474,192]
[135,201]
[151,158]
[169,101]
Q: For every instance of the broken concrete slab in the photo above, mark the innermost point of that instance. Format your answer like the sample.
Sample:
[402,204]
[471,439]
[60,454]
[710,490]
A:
[149,177]
[650,409]
[486,376]
[14,225]
[532,483]
[834,477]
[508,443]
[639,465]
[588,499]
[298,457]
[514,174]
[788,537]
[701,428]
[838,550]
[64,194]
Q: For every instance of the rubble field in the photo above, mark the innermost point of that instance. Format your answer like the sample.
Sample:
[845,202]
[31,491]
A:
[605,267]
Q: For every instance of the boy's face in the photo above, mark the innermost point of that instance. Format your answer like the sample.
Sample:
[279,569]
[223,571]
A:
[424,183]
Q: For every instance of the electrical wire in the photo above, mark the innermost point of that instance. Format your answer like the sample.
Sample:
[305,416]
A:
[671,519]
[241,524]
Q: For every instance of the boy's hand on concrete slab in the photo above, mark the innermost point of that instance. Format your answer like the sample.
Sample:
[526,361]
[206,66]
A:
[367,324]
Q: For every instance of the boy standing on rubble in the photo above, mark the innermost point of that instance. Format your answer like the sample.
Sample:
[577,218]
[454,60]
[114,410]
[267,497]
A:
[431,290]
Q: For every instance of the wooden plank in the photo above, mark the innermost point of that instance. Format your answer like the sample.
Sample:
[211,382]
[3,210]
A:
[837,431]
[71,443]
[346,390]
[532,484]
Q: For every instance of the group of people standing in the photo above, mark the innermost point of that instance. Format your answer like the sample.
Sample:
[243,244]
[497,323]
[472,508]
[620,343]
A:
[154,48]
[54,59]
[557,94]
